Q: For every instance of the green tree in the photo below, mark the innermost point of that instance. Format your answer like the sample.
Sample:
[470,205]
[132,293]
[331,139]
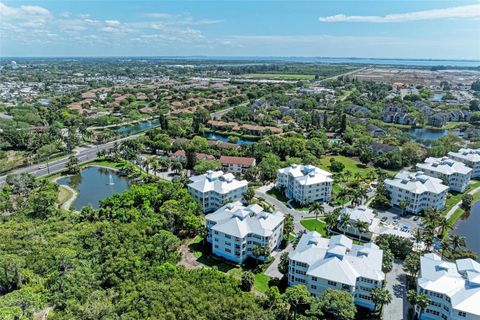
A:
[249,194]
[467,200]
[317,209]
[72,165]
[202,166]
[381,296]
[298,298]
[247,281]
[337,304]
[283,264]
[411,265]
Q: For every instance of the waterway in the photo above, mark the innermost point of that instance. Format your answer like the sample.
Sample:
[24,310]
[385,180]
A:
[467,227]
[240,141]
[137,128]
[94,184]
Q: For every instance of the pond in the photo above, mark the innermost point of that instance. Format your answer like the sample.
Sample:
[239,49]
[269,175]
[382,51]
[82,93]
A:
[467,227]
[219,137]
[437,96]
[137,128]
[428,134]
[94,184]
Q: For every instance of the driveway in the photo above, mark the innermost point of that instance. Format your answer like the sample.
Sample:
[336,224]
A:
[272,270]
[393,215]
[396,284]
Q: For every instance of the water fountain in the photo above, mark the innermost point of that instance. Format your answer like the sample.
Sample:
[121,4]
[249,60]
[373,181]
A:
[110,180]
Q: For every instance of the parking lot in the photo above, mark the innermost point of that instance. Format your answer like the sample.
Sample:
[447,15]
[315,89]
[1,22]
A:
[392,217]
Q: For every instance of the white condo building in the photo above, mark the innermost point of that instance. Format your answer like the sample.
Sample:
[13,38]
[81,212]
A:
[234,230]
[215,188]
[471,158]
[419,190]
[305,183]
[456,173]
[359,214]
[320,263]
[453,288]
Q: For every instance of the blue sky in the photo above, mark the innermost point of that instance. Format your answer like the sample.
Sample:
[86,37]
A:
[382,29]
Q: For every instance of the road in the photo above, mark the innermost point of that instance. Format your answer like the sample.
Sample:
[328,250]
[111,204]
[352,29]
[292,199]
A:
[83,155]
[396,284]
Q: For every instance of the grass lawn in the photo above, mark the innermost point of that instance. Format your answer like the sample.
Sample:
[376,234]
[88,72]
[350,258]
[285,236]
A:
[454,198]
[234,270]
[63,195]
[312,224]
[106,163]
[350,165]
[280,76]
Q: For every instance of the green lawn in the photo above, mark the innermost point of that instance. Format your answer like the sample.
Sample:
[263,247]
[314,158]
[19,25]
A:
[234,270]
[454,198]
[314,225]
[279,76]
[350,165]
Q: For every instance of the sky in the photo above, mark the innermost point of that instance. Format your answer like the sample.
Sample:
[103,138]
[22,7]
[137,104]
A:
[424,29]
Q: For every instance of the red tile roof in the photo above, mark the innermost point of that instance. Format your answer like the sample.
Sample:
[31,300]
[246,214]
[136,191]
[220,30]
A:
[243,161]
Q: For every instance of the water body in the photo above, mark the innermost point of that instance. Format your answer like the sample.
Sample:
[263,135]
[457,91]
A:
[93,185]
[137,128]
[437,97]
[467,227]
[428,134]
[240,141]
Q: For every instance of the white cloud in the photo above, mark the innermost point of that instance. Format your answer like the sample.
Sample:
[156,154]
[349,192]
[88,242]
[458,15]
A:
[469,11]
[112,23]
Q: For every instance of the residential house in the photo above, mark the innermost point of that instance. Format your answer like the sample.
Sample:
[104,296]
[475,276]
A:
[358,214]
[181,155]
[456,174]
[305,184]
[376,131]
[397,114]
[382,148]
[234,230]
[417,190]
[215,188]
[452,288]
[357,110]
[236,164]
[336,263]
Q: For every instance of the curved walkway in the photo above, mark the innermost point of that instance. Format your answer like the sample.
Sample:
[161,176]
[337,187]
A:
[67,204]
[457,206]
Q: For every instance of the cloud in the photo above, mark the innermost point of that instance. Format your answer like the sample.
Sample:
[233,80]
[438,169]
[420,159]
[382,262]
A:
[469,11]
[182,19]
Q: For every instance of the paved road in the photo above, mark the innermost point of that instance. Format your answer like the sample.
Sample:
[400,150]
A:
[396,284]
[83,155]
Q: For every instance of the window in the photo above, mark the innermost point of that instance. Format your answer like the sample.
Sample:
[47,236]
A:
[314,287]
[216,246]
[314,279]
[228,250]
[332,283]
[462,314]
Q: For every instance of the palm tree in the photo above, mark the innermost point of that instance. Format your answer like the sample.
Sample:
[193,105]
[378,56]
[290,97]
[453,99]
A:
[345,221]
[431,217]
[331,220]
[403,204]
[177,166]
[317,209]
[363,193]
[422,301]
[443,225]
[155,166]
[456,242]
[362,227]
[358,176]
[381,296]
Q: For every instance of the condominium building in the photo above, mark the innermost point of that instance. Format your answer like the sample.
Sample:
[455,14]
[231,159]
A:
[234,230]
[320,263]
[236,164]
[216,188]
[471,158]
[453,288]
[455,173]
[305,184]
[417,190]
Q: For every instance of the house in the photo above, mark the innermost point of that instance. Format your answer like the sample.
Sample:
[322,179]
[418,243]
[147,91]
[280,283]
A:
[456,174]
[417,190]
[423,108]
[215,188]
[181,155]
[305,184]
[222,125]
[382,148]
[259,130]
[236,164]
[470,157]
[397,114]
[376,131]
[438,120]
[224,145]
[336,263]
[357,110]
[452,288]
[234,230]
[359,214]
